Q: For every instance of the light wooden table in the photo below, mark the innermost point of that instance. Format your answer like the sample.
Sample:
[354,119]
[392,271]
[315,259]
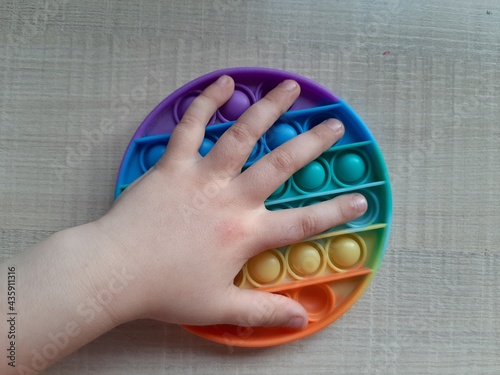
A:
[425,77]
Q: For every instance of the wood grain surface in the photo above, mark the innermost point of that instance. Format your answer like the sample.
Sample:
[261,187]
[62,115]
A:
[78,77]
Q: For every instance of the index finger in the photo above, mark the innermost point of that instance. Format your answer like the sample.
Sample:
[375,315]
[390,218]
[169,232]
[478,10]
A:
[187,136]
[232,149]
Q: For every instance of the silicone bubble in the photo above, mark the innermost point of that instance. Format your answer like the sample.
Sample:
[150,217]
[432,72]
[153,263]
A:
[349,168]
[182,104]
[282,190]
[312,177]
[278,191]
[152,154]
[206,146]
[257,152]
[277,207]
[305,259]
[311,201]
[316,120]
[372,212]
[239,102]
[264,88]
[279,134]
[346,251]
[318,300]
[265,268]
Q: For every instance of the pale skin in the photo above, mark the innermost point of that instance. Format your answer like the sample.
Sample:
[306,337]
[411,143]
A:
[171,245]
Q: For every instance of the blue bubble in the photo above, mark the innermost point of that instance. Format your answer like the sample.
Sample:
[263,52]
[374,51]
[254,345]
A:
[206,146]
[279,134]
[153,154]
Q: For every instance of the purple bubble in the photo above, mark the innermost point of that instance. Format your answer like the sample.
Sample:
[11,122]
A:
[235,106]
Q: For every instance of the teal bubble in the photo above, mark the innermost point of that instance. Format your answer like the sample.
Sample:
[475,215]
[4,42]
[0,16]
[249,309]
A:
[311,177]
[278,207]
[349,168]
[278,191]
[311,201]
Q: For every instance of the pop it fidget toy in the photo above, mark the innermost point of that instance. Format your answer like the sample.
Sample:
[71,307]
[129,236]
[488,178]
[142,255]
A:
[326,273]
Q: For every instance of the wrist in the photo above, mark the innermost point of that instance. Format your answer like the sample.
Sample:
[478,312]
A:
[107,277]
[115,272]
[79,267]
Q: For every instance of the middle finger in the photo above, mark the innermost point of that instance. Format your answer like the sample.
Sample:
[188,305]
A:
[260,180]
[232,149]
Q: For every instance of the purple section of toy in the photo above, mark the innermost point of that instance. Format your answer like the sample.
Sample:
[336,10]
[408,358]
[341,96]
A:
[251,84]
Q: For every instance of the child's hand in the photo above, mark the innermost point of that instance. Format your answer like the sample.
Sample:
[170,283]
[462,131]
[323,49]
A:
[173,242]
[186,228]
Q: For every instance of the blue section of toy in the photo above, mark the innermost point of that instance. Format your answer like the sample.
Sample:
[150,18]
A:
[349,169]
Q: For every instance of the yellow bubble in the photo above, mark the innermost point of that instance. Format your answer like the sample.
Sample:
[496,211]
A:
[344,251]
[304,259]
[264,268]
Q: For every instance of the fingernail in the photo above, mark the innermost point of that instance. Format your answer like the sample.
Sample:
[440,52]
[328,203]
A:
[288,85]
[222,81]
[334,124]
[360,203]
[297,322]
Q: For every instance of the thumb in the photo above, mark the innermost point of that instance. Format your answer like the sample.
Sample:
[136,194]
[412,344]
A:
[254,308]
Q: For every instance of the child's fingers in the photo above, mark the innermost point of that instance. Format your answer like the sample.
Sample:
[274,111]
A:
[279,228]
[260,180]
[251,308]
[235,145]
[188,135]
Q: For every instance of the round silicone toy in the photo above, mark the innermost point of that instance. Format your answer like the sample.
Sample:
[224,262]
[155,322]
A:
[326,273]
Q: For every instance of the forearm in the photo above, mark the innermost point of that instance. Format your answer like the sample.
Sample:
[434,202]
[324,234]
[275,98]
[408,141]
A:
[60,299]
